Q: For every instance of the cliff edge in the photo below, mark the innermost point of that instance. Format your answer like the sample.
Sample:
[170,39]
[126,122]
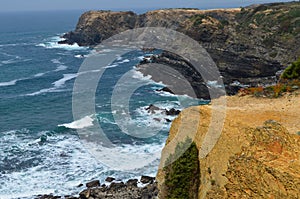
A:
[250,46]
[257,154]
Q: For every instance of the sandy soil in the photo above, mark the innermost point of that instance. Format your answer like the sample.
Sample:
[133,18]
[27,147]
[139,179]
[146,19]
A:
[253,111]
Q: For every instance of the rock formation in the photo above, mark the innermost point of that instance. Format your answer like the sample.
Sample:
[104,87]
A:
[249,45]
[257,154]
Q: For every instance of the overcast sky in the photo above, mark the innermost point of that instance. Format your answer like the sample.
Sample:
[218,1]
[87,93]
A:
[41,5]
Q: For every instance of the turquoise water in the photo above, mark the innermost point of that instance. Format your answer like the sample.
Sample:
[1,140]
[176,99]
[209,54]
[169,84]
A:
[40,150]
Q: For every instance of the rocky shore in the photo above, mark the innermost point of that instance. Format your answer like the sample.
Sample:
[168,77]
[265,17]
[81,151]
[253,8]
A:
[146,188]
[257,154]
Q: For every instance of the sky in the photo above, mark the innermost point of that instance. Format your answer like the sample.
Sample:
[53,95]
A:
[42,5]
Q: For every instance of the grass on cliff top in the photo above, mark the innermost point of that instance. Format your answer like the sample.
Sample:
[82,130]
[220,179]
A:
[284,17]
[289,82]
[182,176]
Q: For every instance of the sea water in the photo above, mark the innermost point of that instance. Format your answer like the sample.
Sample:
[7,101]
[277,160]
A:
[40,150]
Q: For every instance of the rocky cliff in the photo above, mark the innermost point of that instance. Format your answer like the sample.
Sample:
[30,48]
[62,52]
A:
[249,45]
[257,154]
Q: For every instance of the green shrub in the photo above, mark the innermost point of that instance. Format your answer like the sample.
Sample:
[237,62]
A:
[197,19]
[292,71]
[182,178]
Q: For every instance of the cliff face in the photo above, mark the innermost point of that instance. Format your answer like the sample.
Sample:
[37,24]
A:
[249,45]
[257,154]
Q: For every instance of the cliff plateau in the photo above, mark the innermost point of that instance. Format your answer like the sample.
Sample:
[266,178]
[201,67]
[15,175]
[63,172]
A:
[257,154]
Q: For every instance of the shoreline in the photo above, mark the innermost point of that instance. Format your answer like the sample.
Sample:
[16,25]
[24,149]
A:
[145,187]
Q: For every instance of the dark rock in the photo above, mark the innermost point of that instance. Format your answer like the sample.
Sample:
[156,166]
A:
[147,179]
[109,179]
[132,182]
[80,185]
[251,55]
[168,120]
[166,89]
[172,111]
[85,194]
[152,108]
[114,186]
[157,119]
[95,183]
[70,197]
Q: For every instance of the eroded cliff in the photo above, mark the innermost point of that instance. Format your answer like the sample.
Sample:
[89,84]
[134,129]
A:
[257,154]
[249,45]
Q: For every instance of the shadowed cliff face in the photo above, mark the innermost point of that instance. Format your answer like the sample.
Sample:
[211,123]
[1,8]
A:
[249,45]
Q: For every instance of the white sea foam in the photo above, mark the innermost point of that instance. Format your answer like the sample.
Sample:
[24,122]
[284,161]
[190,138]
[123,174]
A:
[127,157]
[60,66]
[55,61]
[81,56]
[124,61]
[53,43]
[10,83]
[58,165]
[46,90]
[214,84]
[39,74]
[111,66]
[10,61]
[87,121]
[138,75]
[57,85]
[62,81]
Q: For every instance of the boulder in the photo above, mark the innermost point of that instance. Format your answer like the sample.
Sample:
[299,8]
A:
[132,182]
[172,111]
[109,179]
[152,108]
[147,179]
[95,183]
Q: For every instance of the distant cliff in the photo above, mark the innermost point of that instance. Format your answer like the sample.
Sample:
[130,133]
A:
[256,156]
[249,45]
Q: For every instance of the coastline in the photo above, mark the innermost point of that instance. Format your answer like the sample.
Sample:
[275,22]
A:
[243,112]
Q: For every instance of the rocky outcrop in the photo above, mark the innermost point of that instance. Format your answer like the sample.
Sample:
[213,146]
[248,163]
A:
[249,45]
[95,26]
[115,190]
[257,154]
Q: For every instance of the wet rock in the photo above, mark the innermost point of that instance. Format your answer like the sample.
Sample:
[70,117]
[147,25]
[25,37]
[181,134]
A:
[95,183]
[152,108]
[85,194]
[109,179]
[147,179]
[165,89]
[172,111]
[114,186]
[132,182]
[168,120]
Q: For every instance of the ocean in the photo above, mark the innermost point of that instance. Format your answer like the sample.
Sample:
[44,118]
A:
[40,149]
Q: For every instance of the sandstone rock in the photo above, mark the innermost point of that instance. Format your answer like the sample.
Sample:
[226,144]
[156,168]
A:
[257,153]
